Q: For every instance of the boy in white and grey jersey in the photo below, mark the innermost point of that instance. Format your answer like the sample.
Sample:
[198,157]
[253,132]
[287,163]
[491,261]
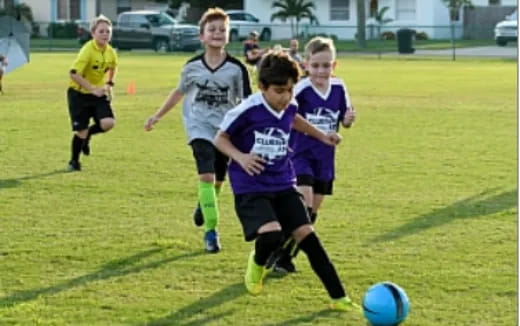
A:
[211,84]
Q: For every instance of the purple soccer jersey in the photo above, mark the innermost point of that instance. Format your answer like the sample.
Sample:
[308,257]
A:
[325,112]
[254,127]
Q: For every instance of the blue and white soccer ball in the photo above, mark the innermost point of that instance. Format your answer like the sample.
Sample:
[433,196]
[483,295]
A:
[385,304]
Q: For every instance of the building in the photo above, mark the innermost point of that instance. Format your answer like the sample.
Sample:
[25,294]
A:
[46,11]
[339,17]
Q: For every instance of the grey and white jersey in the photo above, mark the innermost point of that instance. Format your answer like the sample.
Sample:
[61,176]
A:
[210,93]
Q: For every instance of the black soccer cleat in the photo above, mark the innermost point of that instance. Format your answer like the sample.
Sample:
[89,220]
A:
[284,265]
[73,166]
[198,217]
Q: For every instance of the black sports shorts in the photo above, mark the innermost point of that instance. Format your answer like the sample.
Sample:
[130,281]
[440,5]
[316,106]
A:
[256,209]
[209,159]
[82,107]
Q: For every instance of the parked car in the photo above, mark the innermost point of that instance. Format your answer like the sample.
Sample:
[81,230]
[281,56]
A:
[148,29]
[242,23]
[507,30]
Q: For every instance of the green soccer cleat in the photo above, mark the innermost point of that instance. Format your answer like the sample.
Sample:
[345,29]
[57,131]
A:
[344,304]
[254,275]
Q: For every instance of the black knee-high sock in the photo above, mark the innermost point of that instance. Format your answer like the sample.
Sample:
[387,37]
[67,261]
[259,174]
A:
[265,244]
[77,143]
[94,129]
[322,266]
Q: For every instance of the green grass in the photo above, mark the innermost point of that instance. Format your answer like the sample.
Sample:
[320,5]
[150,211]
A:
[425,196]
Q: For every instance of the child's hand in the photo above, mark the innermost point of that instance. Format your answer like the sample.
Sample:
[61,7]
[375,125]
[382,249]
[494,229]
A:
[108,92]
[349,118]
[251,163]
[332,139]
[99,92]
[148,125]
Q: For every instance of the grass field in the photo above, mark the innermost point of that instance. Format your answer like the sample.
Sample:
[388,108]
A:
[426,196]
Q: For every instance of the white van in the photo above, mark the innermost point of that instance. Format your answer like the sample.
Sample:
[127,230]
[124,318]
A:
[507,30]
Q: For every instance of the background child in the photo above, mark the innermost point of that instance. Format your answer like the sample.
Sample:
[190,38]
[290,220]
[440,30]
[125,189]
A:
[256,136]
[87,93]
[213,83]
[324,102]
[3,65]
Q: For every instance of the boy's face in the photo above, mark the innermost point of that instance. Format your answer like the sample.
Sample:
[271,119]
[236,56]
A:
[102,34]
[320,66]
[278,96]
[215,34]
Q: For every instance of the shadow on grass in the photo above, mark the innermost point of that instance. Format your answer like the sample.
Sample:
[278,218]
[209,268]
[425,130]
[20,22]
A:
[183,316]
[485,203]
[116,268]
[14,182]
[309,318]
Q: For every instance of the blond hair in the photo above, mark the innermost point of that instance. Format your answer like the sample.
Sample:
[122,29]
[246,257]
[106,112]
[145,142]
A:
[210,15]
[98,20]
[319,44]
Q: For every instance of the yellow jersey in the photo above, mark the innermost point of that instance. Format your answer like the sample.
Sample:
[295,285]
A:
[92,63]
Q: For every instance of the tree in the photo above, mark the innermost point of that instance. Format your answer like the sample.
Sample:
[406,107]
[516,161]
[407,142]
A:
[454,8]
[381,20]
[19,11]
[295,11]
[361,24]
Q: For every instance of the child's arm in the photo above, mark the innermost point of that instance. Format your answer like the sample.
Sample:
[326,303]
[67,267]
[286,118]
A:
[349,118]
[251,163]
[302,125]
[172,100]
[110,82]
[86,85]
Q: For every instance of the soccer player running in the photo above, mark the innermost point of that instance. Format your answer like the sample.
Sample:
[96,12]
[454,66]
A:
[255,135]
[323,100]
[89,94]
[211,83]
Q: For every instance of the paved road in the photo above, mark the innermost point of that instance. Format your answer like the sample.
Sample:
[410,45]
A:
[509,51]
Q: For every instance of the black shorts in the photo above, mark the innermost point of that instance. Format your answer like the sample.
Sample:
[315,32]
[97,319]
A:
[209,159]
[319,187]
[82,107]
[286,207]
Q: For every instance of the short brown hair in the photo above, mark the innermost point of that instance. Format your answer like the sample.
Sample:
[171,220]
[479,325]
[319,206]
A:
[276,68]
[210,15]
[319,44]
[98,20]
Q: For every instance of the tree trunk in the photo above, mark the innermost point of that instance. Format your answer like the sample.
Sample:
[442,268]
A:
[452,29]
[361,23]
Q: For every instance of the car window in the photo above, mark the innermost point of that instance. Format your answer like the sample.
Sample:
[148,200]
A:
[137,20]
[160,20]
[250,18]
[124,20]
[238,16]
[513,16]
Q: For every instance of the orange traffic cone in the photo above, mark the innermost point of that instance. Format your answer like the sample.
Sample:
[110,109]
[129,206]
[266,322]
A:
[131,88]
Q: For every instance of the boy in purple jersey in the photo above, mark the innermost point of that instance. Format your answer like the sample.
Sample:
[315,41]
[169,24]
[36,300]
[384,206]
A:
[255,135]
[324,102]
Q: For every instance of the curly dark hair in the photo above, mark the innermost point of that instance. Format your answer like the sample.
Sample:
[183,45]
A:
[276,68]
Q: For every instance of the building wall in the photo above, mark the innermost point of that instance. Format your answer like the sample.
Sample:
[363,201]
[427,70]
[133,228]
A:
[478,3]
[432,17]
[41,9]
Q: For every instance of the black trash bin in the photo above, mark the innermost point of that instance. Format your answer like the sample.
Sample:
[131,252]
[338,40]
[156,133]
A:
[404,40]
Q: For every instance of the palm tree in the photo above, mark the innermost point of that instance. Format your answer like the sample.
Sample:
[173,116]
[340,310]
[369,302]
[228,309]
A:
[381,20]
[295,11]
[361,25]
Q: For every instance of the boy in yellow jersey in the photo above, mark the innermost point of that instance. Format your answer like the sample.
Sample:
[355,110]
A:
[89,93]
